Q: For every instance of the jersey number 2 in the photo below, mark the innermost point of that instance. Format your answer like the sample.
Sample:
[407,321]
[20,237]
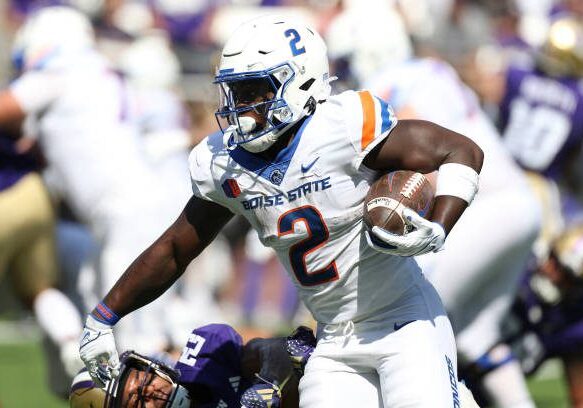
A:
[293,43]
[317,235]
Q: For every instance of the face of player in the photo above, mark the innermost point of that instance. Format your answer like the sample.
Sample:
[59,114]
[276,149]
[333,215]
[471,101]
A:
[145,390]
[250,92]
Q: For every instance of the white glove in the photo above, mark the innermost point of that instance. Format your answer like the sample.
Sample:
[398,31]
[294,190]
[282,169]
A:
[98,352]
[427,237]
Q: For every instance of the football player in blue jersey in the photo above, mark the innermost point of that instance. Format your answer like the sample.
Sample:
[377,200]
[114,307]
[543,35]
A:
[215,369]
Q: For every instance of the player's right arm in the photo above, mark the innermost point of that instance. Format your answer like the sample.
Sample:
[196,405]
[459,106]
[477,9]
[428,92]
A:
[158,267]
[150,275]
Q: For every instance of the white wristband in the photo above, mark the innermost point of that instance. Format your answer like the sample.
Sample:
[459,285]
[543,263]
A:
[457,180]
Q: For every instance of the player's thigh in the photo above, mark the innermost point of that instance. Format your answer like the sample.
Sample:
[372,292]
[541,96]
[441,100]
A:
[27,236]
[17,210]
[422,372]
[328,383]
[34,268]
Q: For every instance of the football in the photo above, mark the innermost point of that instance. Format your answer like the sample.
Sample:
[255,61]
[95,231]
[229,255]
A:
[390,194]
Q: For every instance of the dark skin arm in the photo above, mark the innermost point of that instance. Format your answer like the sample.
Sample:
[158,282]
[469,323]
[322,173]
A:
[159,266]
[424,146]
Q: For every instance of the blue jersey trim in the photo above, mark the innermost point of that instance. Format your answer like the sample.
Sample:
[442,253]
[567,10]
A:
[385,116]
[272,171]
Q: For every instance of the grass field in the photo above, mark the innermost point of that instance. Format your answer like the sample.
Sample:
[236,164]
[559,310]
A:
[23,381]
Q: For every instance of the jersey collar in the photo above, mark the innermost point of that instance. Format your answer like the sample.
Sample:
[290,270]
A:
[272,171]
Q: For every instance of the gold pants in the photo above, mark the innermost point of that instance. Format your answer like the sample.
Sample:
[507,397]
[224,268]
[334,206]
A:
[27,237]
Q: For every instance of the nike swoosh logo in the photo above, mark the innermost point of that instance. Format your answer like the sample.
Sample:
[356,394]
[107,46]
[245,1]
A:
[400,326]
[309,166]
[87,339]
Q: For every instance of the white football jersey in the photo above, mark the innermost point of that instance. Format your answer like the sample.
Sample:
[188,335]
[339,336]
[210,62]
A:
[82,113]
[308,203]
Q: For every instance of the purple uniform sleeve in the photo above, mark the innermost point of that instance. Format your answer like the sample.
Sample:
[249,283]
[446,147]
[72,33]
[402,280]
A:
[210,365]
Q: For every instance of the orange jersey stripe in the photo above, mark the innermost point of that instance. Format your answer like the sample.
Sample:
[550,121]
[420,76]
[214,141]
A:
[368,118]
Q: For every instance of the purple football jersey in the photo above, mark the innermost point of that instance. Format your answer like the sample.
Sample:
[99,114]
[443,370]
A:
[541,120]
[210,366]
[559,325]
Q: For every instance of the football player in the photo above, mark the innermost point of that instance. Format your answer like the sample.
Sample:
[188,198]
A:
[297,163]
[546,320]
[27,249]
[81,111]
[214,370]
[477,273]
[540,118]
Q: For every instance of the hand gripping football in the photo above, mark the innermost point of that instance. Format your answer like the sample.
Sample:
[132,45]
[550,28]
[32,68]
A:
[390,194]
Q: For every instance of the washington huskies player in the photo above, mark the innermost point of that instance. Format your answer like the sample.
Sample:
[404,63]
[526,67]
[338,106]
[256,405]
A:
[215,370]
[477,273]
[547,318]
[80,110]
[540,118]
[297,163]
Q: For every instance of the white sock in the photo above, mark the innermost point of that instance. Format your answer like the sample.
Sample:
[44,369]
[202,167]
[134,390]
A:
[507,387]
[57,316]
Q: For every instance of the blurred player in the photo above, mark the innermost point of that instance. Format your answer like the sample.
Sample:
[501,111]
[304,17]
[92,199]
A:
[81,112]
[215,370]
[547,319]
[478,272]
[540,117]
[27,248]
[297,164]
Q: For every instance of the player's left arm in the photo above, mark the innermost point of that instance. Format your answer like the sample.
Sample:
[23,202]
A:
[267,363]
[425,147]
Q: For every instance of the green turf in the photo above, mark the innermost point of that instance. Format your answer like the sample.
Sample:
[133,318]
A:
[23,381]
[23,378]
[549,393]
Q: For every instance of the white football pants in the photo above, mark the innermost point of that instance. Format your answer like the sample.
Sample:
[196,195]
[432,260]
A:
[385,362]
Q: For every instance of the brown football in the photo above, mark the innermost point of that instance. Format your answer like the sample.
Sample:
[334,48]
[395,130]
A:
[390,194]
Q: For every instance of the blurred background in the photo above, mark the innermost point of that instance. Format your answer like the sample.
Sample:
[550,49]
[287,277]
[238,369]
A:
[164,54]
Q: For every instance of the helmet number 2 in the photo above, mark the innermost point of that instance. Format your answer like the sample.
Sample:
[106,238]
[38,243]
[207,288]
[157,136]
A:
[317,236]
[293,43]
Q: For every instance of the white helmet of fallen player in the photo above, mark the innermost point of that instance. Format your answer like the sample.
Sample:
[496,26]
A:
[48,33]
[276,67]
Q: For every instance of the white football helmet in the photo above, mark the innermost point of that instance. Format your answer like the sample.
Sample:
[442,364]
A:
[49,33]
[275,56]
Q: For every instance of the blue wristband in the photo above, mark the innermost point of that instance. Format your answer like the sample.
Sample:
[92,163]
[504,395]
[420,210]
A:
[104,314]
